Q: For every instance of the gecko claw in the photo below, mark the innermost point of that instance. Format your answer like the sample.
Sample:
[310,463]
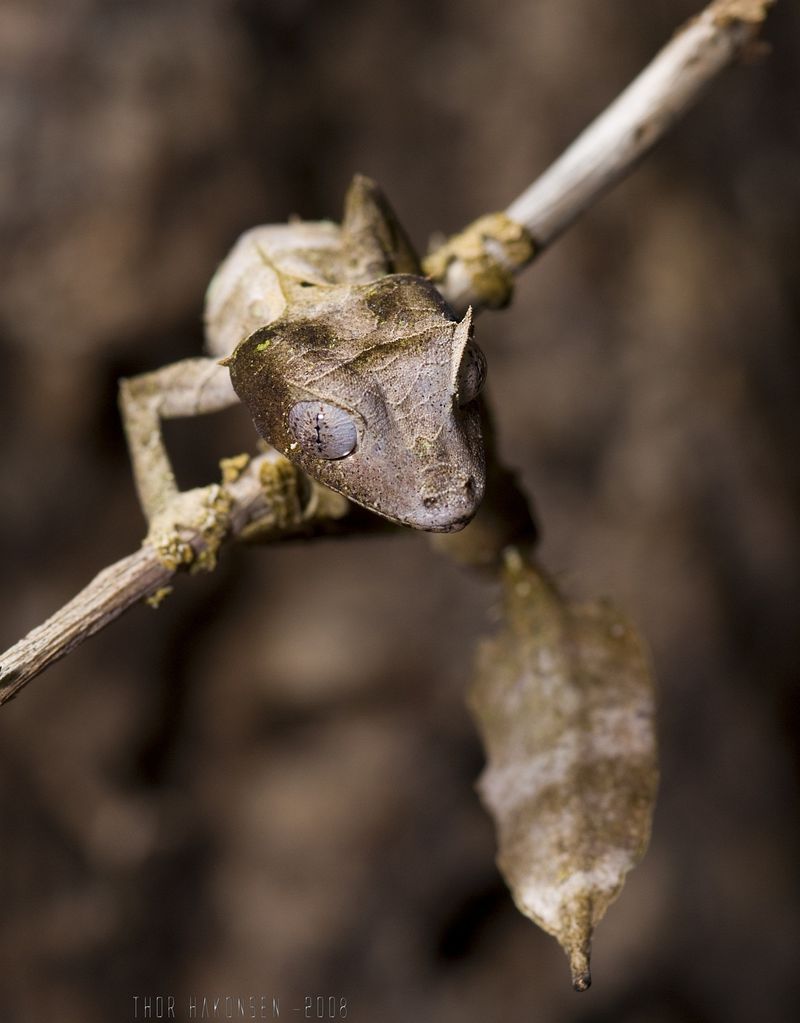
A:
[190,528]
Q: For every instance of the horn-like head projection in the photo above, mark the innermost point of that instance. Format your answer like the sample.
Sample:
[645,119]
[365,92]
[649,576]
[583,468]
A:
[373,394]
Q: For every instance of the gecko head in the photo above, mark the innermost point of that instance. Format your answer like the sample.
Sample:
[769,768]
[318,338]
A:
[372,390]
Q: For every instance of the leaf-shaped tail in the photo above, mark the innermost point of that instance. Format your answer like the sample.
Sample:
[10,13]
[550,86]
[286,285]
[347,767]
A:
[564,700]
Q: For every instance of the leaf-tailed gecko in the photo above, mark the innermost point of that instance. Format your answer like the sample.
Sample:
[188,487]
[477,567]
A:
[349,362]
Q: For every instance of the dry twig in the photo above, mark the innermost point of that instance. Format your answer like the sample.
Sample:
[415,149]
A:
[270,499]
[605,152]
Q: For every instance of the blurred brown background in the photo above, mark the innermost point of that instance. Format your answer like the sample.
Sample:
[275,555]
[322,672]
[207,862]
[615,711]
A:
[266,785]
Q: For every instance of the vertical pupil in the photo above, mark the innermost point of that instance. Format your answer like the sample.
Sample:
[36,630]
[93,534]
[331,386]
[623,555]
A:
[325,430]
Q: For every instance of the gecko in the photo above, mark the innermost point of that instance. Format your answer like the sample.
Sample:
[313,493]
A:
[349,362]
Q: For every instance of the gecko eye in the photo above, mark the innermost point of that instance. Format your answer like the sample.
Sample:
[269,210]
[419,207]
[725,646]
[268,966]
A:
[324,430]
[471,375]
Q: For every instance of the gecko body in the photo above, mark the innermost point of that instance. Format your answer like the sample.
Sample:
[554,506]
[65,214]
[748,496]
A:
[350,363]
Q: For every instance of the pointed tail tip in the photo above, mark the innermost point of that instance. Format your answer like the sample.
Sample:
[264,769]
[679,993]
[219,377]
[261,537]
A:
[582,981]
[580,968]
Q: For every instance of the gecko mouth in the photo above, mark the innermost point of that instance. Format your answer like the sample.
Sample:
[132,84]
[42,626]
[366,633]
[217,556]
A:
[446,509]
[427,525]
[431,525]
[447,527]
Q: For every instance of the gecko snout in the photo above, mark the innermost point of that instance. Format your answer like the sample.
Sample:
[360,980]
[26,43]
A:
[448,501]
[433,498]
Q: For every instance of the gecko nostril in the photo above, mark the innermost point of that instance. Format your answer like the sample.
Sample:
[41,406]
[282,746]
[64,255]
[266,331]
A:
[469,486]
[431,500]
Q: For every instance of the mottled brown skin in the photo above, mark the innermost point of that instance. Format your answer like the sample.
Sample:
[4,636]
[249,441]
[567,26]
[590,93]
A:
[314,311]
[388,353]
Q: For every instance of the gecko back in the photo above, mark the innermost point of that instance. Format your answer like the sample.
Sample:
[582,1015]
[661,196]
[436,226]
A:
[277,265]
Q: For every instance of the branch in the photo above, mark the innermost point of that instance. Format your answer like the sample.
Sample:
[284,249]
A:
[110,593]
[477,266]
[270,499]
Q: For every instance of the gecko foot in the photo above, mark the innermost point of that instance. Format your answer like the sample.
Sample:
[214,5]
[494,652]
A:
[188,531]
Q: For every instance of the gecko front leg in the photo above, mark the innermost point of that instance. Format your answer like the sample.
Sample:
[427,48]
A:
[188,388]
